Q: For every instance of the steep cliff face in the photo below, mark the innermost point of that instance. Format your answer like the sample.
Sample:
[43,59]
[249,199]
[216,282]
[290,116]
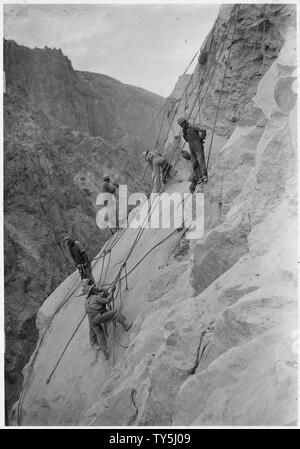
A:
[62,131]
[214,319]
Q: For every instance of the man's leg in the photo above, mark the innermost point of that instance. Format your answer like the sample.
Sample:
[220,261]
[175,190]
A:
[195,164]
[102,341]
[81,271]
[93,337]
[201,160]
[89,273]
[122,320]
[101,318]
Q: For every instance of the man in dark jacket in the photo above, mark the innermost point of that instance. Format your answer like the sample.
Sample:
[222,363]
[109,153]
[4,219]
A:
[80,257]
[98,314]
[195,137]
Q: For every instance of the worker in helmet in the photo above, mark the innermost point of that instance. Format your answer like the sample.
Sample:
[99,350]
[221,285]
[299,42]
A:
[80,257]
[195,137]
[161,169]
[110,186]
[96,302]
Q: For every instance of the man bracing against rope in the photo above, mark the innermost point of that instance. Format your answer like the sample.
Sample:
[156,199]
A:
[161,169]
[109,186]
[80,257]
[96,303]
[195,137]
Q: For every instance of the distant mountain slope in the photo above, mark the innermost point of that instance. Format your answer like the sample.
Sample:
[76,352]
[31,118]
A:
[88,102]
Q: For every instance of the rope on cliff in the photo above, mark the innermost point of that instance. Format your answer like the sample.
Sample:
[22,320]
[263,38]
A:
[221,45]
[177,107]
[65,348]
[203,81]
[222,87]
[39,344]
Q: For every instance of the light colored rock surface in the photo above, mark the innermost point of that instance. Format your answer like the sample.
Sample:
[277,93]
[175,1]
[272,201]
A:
[212,341]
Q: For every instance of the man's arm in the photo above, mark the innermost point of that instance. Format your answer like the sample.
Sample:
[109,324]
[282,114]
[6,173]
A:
[109,298]
[99,301]
[83,252]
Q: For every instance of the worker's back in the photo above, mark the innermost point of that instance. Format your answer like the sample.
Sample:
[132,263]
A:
[78,253]
[109,187]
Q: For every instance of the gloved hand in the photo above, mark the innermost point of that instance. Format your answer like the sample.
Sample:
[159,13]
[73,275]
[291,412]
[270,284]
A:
[186,155]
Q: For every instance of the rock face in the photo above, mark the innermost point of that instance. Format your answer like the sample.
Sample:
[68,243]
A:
[63,130]
[213,340]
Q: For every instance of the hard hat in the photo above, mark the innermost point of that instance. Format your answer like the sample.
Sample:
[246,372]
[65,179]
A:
[181,120]
[144,154]
[106,176]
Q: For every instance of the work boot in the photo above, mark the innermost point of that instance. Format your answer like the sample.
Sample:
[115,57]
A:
[106,354]
[128,326]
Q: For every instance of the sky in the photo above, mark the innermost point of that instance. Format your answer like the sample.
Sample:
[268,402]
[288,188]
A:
[147,46]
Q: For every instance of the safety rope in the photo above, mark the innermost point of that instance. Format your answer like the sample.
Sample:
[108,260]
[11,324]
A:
[177,107]
[63,352]
[228,25]
[202,84]
[30,368]
[177,243]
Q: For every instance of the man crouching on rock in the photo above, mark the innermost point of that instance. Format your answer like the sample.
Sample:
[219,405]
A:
[98,314]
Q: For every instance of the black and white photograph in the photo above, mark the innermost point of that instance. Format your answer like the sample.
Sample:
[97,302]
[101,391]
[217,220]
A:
[149,221]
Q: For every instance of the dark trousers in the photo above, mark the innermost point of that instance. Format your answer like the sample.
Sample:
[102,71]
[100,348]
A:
[197,154]
[98,336]
[85,271]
